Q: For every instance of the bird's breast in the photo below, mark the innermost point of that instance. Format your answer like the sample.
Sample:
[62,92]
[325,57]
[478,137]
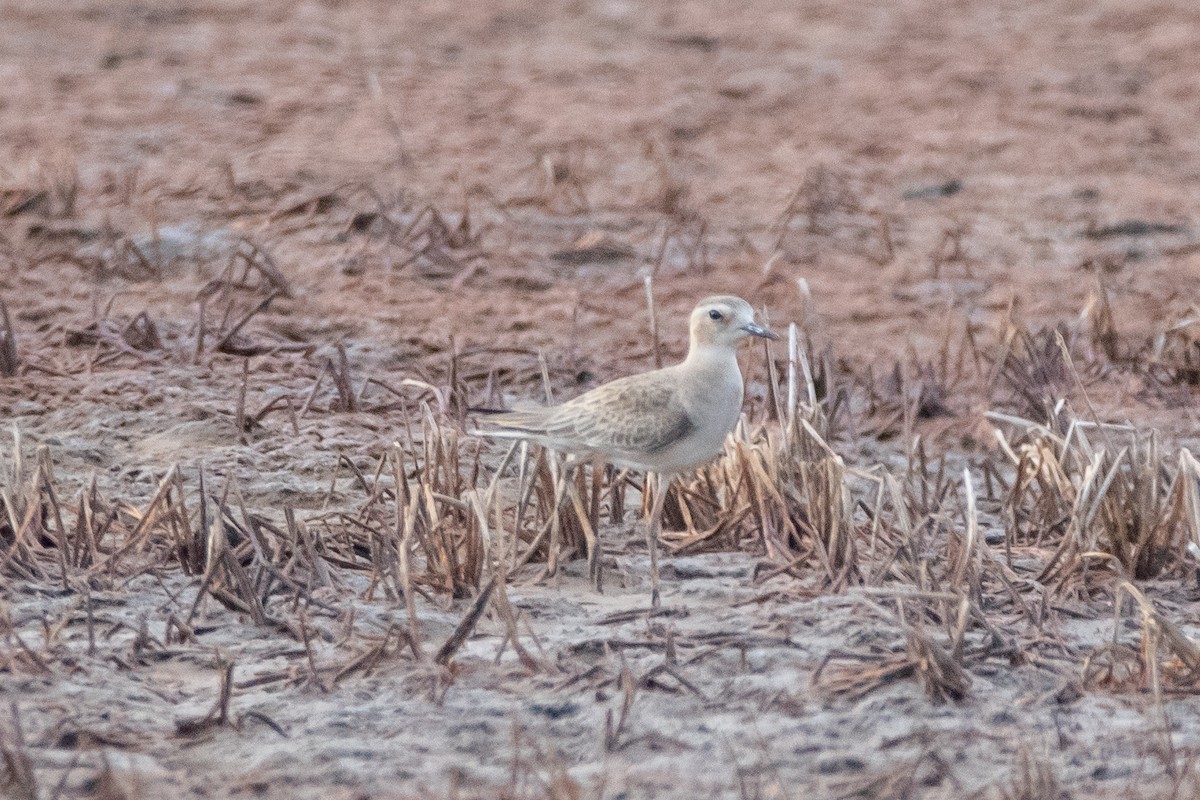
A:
[723,406]
[714,403]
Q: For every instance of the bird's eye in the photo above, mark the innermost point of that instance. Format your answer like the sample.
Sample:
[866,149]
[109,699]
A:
[714,314]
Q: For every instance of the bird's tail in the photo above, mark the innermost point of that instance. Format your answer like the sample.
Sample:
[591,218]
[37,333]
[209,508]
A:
[511,424]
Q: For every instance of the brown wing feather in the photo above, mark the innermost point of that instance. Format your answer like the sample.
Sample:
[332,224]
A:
[628,417]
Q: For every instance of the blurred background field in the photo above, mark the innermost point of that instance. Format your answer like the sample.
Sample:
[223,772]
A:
[257,261]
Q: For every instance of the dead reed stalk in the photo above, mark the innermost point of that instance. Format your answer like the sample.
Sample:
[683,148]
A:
[1116,502]
[9,360]
[19,777]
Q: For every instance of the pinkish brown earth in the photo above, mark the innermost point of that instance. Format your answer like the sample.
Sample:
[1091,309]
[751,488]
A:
[889,175]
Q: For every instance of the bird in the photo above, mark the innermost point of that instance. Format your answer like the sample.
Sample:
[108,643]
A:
[664,422]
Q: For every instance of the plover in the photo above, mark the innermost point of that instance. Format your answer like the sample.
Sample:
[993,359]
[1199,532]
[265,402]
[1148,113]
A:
[662,422]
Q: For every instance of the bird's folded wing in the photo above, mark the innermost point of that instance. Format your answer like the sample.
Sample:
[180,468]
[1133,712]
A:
[629,417]
[639,415]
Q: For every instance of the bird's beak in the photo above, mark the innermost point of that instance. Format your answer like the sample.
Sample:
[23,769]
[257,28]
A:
[755,329]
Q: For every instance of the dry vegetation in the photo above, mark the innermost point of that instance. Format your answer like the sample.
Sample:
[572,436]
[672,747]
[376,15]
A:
[972,561]
[250,545]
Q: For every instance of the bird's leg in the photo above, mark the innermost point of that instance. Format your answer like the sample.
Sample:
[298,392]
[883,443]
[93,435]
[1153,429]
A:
[653,529]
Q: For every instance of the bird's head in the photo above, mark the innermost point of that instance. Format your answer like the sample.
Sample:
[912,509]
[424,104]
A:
[723,321]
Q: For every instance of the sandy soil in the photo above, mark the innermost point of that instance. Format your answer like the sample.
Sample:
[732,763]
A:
[445,190]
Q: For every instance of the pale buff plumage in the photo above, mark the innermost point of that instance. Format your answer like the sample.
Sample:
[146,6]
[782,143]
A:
[666,421]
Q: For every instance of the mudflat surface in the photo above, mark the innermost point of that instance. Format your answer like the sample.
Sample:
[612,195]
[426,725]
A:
[271,245]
